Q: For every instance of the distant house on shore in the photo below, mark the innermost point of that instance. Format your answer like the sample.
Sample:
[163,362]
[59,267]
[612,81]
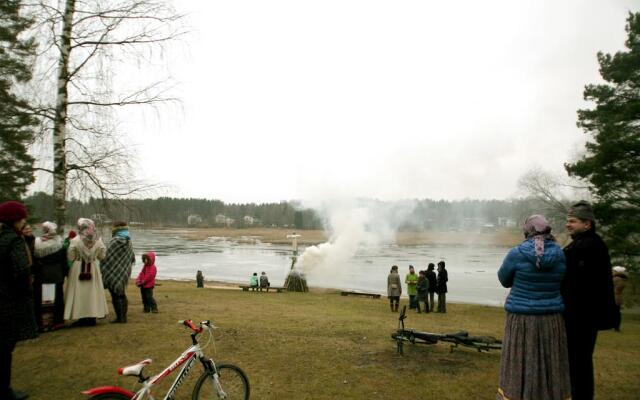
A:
[488,227]
[194,219]
[101,219]
[248,220]
[506,222]
[220,219]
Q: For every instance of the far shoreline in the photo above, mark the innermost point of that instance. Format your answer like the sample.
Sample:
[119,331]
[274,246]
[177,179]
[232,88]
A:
[502,237]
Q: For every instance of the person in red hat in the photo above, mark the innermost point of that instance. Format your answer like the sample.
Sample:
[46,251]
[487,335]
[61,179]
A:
[17,320]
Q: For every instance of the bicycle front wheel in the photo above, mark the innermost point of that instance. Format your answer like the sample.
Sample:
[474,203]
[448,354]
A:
[233,384]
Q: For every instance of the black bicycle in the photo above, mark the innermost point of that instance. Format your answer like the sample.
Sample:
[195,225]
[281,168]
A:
[462,338]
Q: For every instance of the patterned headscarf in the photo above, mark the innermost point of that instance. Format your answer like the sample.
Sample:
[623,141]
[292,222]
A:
[87,232]
[537,227]
[48,231]
[49,243]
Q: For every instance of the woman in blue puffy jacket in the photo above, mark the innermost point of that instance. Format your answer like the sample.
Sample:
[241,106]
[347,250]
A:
[535,363]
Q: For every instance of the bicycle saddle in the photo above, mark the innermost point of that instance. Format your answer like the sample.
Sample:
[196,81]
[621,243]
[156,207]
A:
[134,369]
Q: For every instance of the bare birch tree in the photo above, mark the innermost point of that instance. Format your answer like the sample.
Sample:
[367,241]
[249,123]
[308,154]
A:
[553,193]
[85,42]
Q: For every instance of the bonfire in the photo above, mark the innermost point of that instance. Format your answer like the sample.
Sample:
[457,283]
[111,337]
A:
[296,282]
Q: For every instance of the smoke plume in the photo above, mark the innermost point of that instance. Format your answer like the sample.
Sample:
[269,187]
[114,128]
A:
[353,224]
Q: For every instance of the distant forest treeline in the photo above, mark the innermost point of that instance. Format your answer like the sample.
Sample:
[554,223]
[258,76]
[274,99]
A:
[176,212]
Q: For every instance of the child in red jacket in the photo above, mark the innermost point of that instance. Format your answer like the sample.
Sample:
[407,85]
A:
[146,281]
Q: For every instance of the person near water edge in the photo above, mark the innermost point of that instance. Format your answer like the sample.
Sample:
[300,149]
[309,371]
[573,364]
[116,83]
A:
[411,280]
[394,288]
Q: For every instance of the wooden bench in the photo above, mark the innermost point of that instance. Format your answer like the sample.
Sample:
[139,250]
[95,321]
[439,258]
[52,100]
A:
[362,294]
[246,288]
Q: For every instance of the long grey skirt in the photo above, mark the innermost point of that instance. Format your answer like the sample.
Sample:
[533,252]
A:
[535,362]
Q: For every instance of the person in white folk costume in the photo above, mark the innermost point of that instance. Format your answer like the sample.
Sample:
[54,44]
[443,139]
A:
[85,298]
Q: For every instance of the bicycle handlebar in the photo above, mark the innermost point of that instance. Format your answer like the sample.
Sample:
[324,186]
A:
[196,329]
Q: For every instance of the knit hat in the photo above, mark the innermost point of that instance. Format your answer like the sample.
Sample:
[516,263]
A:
[12,211]
[582,210]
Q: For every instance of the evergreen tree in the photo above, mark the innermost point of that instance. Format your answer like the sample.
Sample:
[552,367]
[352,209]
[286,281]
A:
[611,164]
[16,123]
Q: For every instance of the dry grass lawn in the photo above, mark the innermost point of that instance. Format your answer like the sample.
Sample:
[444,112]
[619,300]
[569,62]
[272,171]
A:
[317,345]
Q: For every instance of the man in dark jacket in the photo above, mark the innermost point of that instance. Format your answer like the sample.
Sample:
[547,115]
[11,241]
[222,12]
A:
[17,321]
[587,291]
[441,287]
[433,282]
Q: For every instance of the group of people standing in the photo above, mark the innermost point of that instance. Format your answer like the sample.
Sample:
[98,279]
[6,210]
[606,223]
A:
[33,275]
[421,288]
[559,300]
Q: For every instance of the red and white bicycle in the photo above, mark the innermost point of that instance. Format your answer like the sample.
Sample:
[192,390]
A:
[222,381]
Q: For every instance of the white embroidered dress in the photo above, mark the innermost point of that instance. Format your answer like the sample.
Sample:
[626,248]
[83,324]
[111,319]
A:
[85,298]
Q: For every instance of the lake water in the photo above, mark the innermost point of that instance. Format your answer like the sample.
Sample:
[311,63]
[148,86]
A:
[472,269]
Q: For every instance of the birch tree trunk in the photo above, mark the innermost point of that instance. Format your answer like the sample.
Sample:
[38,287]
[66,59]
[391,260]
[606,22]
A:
[83,40]
[60,121]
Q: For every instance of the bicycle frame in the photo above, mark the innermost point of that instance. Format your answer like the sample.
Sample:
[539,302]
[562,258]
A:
[187,359]
[480,343]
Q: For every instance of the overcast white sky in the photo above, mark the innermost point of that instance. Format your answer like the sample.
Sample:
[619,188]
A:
[386,99]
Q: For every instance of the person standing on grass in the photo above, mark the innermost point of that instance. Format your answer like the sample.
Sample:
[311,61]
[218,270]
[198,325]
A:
[394,288]
[441,287]
[116,269]
[620,278]
[84,298]
[199,279]
[146,281]
[588,296]
[411,280]
[49,268]
[264,282]
[433,283]
[423,292]
[17,320]
[535,360]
